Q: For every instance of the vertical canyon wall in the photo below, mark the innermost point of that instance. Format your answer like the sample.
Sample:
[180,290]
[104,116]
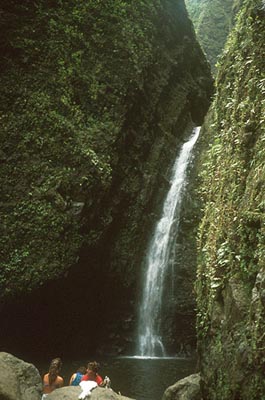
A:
[231,275]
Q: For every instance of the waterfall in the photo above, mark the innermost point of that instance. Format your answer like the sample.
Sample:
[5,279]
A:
[158,256]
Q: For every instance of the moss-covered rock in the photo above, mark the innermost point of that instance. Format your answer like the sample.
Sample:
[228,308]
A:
[96,98]
[88,89]
[213,20]
[230,284]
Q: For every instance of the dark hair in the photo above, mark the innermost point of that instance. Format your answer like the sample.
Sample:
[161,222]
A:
[55,367]
[93,366]
[82,370]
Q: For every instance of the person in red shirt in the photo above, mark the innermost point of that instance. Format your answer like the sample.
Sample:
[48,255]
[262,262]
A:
[92,373]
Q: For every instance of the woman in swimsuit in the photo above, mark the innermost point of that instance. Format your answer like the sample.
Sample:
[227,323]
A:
[52,380]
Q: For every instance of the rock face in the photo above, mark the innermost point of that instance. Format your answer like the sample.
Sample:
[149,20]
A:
[18,379]
[185,389]
[90,134]
[231,274]
[72,393]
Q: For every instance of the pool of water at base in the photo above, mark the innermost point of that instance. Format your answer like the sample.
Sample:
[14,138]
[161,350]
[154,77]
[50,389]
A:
[137,378]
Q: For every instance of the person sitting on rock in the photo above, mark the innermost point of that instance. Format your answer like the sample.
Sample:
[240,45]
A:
[77,376]
[92,373]
[52,380]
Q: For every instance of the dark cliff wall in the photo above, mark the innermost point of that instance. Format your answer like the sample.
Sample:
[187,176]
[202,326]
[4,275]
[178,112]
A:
[231,274]
[95,100]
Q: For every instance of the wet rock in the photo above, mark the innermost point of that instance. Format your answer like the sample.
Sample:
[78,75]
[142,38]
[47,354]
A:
[25,379]
[185,389]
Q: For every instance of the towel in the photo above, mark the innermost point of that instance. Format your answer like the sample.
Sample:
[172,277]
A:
[86,387]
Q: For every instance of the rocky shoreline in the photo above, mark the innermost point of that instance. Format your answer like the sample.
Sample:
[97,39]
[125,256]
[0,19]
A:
[20,380]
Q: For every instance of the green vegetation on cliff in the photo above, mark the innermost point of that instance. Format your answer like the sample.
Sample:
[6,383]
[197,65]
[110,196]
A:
[213,20]
[231,272]
[88,89]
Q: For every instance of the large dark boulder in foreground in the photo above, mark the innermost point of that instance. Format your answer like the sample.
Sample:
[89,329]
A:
[18,380]
[72,393]
[186,389]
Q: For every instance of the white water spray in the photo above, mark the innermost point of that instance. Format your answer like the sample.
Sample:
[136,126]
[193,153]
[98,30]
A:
[158,257]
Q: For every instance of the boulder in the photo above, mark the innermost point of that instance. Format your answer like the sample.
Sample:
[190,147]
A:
[185,389]
[18,380]
[68,392]
[72,393]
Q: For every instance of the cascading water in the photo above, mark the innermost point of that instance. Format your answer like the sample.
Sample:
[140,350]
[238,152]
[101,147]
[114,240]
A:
[158,257]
